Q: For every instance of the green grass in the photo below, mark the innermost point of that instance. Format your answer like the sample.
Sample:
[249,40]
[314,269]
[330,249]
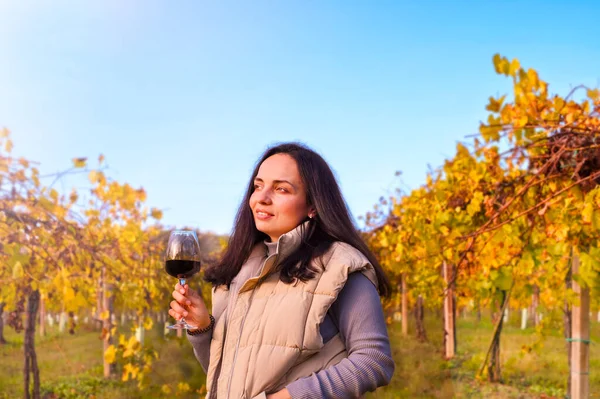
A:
[421,371]
[71,365]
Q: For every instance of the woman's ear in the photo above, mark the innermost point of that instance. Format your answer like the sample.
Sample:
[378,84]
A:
[312,212]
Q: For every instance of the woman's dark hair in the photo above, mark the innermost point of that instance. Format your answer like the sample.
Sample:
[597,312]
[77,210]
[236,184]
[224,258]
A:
[331,223]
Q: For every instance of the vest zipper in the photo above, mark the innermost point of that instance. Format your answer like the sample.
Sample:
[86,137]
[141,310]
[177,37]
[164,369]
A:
[237,345]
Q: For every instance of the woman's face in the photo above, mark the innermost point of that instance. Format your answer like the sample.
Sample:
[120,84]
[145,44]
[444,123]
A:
[278,202]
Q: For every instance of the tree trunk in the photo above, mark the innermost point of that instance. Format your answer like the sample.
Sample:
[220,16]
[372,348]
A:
[494,371]
[42,316]
[449,312]
[107,306]
[62,321]
[535,300]
[419,317]
[567,326]
[404,306]
[99,303]
[2,340]
[140,331]
[580,338]
[31,365]
[72,323]
[523,318]
[478,306]
[492,358]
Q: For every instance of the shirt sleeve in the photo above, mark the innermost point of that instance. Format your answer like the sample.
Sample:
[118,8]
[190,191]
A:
[369,364]
[201,345]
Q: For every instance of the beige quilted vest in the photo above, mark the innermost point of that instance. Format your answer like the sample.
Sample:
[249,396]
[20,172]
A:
[272,336]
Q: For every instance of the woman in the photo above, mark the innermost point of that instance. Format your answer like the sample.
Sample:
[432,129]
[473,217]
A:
[296,310]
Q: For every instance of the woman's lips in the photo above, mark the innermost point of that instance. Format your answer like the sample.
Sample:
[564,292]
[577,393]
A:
[262,215]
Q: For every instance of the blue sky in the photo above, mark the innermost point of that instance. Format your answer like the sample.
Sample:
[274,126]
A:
[182,97]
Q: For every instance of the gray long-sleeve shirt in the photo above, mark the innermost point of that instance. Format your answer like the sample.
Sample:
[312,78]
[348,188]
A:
[358,314]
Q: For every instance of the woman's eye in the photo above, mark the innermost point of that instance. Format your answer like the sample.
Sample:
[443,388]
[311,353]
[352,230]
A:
[282,189]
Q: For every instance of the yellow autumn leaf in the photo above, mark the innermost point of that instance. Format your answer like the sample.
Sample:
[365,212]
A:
[100,158]
[383,242]
[73,197]
[128,370]
[17,271]
[587,213]
[148,323]
[514,66]
[79,162]
[35,177]
[559,103]
[104,315]
[132,346]
[183,387]
[8,146]
[497,61]
[522,121]
[93,176]
[68,294]
[129,236]
[110,354]
[156,213]
[166,389]
[532,75]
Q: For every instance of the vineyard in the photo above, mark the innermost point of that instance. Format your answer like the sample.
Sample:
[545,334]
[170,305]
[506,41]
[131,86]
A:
[500,245]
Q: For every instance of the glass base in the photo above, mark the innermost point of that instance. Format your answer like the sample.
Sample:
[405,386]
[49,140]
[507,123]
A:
[182,325]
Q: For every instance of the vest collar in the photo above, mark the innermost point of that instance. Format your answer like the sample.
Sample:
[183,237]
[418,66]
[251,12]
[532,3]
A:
[286,244]
[290,241]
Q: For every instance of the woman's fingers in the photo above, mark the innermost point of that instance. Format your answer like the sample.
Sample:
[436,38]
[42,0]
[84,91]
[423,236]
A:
[182,299]
[180,288]
[187,297]
[188,304]
[175,315]
[178,308]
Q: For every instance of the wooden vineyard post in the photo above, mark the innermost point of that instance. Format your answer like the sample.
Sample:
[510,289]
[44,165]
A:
[404,306]
[42,316]
[580,339]
[449,322]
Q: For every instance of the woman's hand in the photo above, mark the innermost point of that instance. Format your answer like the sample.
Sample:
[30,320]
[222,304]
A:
[283,394]
[190,305]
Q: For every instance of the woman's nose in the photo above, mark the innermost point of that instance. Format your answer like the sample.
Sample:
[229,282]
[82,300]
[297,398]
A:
[264,196]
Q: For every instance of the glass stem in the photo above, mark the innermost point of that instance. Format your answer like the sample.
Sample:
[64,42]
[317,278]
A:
[182,284]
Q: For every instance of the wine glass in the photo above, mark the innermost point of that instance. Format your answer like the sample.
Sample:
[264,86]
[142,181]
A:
[182,261]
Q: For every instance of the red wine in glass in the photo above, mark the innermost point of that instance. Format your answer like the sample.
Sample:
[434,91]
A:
[182,261]
[182,268]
